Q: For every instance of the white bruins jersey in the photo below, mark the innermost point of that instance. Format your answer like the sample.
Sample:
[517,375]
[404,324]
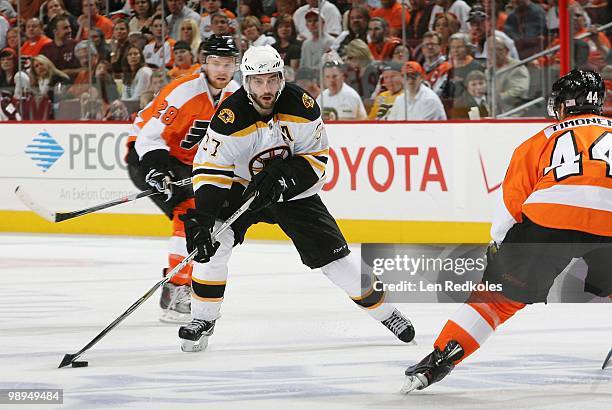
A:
[239,141]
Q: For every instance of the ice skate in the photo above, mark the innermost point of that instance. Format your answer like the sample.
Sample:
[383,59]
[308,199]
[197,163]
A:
[175,302]
[433,368]
[400,326]
[194,336]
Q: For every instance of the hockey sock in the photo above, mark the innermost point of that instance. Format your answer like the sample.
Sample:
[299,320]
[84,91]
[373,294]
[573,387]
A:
[178,249]
[346,274]
[209,280]
[476,320]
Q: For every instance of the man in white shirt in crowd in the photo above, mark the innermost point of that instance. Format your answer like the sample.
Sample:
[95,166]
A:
[339,101]
[418,102]
[314,48]
[210,8]
[329,12]
[179,12]
[159,52]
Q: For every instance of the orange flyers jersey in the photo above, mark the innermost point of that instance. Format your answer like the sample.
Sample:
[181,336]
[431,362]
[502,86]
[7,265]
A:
[176,120]
[561,178]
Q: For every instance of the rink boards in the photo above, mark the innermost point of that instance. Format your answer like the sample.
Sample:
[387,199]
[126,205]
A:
[390,182]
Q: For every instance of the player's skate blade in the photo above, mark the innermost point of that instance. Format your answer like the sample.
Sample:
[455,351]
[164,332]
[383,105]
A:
[174,317]
[194,336]
[416,382]
[400,326]
[433,368]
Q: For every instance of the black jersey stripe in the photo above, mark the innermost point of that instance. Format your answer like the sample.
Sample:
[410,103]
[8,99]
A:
[209,171]
[321,158]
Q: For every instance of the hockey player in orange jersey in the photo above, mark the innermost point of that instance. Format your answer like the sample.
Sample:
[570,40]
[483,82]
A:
[556,205]
[166,136]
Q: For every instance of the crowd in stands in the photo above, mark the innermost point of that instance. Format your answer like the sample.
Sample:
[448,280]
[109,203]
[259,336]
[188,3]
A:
[361,59]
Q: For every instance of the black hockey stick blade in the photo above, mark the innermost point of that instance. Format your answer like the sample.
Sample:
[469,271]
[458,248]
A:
[69,358]
[607,360]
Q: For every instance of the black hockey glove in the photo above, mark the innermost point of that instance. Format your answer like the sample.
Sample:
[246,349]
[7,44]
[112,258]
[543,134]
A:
[161,181]
[269,184]
[159,176]
[198,229]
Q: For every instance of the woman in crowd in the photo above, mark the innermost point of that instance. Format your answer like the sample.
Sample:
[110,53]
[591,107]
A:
[190,34]
[104,82]
[47,86]
[46,79]
[252,30]
[119,44]
[11,80]
[446,24]
[97,38]
[357,19]
[362,72]
[143,10]
[136,76]
[52,8]
[287,45]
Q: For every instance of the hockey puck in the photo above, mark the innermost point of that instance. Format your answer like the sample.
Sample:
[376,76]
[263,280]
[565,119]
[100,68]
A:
[80,364]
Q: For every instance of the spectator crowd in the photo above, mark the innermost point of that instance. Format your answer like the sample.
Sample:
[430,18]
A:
[361,59]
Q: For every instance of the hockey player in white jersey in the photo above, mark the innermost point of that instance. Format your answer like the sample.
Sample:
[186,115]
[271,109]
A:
[268,137]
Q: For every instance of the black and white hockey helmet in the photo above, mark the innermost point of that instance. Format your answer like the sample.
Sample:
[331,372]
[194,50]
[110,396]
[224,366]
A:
[216,45]
[581,92]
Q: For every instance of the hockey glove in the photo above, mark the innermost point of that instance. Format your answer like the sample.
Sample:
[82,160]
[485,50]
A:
[157,165]
[198,230]
[269,184]
[161,181]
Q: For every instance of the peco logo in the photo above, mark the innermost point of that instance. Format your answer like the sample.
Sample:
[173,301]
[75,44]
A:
[44,151]
[97,151]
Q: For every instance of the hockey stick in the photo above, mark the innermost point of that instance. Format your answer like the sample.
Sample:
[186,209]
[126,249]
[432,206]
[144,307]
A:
[70,358]
[607,359]
[51,216]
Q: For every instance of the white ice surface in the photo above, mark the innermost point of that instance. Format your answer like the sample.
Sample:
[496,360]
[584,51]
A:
[288,339]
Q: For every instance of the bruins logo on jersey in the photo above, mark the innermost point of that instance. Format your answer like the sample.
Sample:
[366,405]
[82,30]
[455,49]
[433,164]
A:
[227,116]
[307,101]
[259,161]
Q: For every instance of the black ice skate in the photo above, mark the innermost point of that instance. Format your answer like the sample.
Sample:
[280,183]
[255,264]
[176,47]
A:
[400,326]
[194,336]
[433,368]
[175,301]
